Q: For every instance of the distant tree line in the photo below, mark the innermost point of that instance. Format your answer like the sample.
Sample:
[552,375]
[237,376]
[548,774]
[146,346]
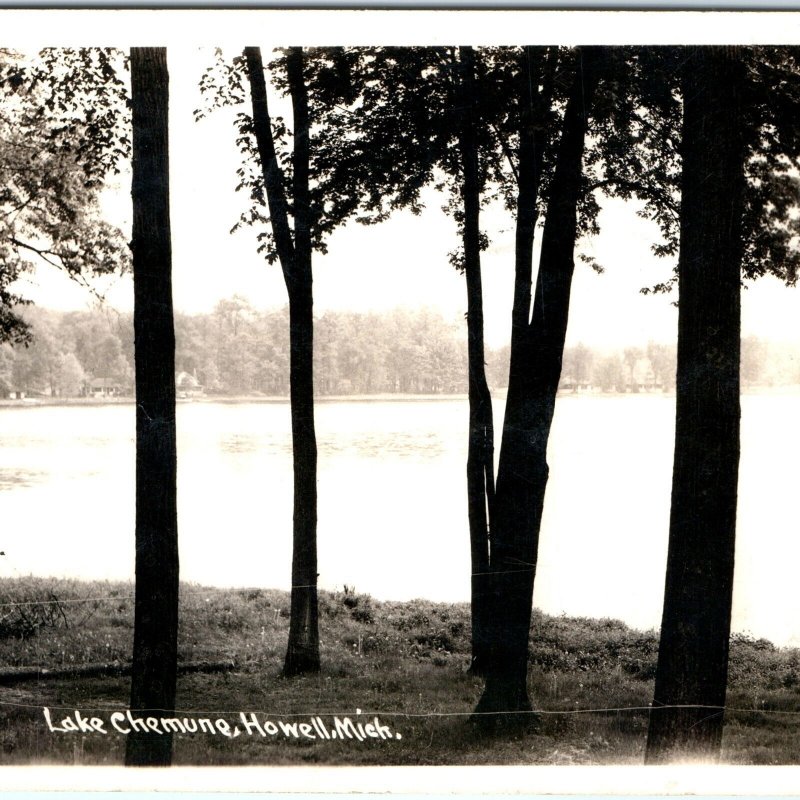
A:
[238,350]
[653,368]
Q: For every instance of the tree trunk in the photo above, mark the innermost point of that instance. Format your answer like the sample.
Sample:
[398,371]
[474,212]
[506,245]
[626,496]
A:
[533,382]
[534,68]
[687,715]
[480,449]
[302,654]
[534,105]
[156,604]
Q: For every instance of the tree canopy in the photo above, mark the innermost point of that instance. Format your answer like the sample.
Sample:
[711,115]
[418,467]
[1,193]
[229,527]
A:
[63,131]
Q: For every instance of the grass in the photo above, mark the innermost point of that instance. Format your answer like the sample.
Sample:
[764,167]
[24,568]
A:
[406,662]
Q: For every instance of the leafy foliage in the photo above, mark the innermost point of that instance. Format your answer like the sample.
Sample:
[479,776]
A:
[645,163]
[335,190]
[83,106]
[63,129]
[385,121]
[636,132]
[771,221]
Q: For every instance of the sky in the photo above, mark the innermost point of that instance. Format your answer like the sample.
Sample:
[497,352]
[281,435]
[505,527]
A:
[400,263]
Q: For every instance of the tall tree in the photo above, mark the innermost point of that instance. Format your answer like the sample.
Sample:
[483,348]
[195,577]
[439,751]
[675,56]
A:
[294,251]
[480,448]
[298,196]
[512,121]
[739,182]
[155,637]
[533,382]
[438,115]
[693,654]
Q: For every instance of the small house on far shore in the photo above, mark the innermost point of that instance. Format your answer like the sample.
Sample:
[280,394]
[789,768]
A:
[641,377]
[103,387]
[187,385]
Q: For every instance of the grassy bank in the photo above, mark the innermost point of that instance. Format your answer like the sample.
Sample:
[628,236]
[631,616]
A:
[406,662]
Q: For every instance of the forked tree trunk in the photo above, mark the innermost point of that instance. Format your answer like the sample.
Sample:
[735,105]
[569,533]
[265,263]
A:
[534,68]
[533,382]
[156,605]
[480,449]
[687,715]
[294,252]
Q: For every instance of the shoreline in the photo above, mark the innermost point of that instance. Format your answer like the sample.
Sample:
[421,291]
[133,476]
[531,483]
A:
[384,397]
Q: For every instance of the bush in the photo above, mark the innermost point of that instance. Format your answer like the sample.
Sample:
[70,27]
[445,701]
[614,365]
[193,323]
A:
[582,645]
[416,618]
[360,605]
[23,616]
[364,613]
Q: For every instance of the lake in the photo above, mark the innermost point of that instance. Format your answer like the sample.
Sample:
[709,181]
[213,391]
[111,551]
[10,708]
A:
[392,501]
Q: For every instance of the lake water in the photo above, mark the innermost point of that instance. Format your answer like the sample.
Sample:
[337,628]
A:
[392,501]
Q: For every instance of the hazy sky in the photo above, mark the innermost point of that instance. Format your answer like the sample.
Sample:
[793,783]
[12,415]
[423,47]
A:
[402,262]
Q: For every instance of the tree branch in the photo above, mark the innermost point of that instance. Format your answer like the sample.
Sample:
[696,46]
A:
[506,152]
[48,257]
[270,168]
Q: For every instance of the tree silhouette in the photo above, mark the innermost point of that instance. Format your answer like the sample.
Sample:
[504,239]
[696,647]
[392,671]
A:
[436,116]
[155,634]
[537,347]
[294,251]
[296,198]
[514,109]
[480,451]
[739,143]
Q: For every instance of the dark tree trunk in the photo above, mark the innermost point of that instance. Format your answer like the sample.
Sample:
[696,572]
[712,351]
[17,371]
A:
[480,449]
[156,606]
[294,252]
[535,67]
[302,654]
[691,677]
[533,382]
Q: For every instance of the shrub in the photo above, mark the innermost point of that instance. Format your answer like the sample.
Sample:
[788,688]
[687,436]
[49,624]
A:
[23,615]
[360,605]
[364,613]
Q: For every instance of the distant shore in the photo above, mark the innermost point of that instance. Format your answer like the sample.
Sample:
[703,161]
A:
[384,397]
[232,399]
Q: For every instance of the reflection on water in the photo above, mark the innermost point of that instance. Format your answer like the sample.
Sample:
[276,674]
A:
[392,501]
[377,444]
[250,443]
[16,478]
[397,444]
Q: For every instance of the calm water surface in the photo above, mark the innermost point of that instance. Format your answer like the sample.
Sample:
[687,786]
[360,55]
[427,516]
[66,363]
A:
[392,506]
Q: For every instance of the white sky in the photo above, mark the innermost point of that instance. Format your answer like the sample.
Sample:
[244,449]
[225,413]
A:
[402,262]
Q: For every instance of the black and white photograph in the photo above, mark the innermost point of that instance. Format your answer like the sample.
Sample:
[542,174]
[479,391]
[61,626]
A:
[399,389]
